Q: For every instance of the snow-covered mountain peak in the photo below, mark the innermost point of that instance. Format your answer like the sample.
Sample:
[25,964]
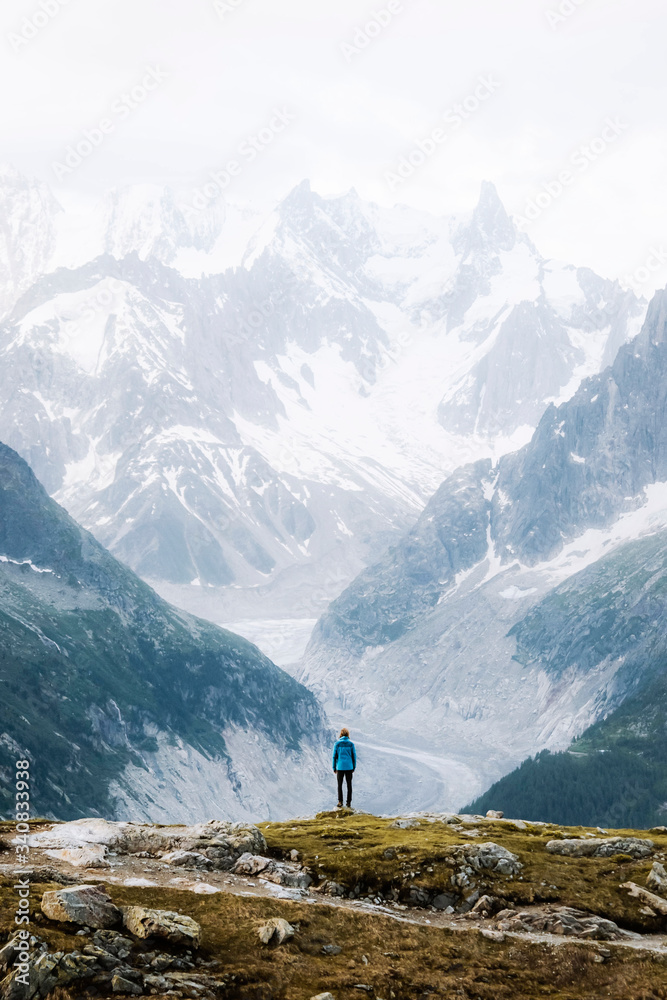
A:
[489,229]
[147,219]
[276,424]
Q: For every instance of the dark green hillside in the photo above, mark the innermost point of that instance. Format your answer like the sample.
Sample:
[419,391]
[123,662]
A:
[615,775]
[93,664]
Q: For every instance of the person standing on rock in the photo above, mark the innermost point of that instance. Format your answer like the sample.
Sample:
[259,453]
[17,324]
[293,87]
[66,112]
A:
[344,763]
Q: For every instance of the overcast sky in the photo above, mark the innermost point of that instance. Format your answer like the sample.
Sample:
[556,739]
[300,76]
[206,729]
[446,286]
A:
[355,96]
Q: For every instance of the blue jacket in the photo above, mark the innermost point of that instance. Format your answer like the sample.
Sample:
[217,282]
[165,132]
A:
[344,756]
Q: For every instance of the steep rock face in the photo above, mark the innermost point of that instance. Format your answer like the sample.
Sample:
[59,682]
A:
[121,701]
[590,459]
[385,599]
[526,602]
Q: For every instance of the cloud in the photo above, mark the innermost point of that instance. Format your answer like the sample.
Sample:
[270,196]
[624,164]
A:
[355,117]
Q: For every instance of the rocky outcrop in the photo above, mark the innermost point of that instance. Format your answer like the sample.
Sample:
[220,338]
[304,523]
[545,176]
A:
[561,920]
[86,905]
[273,871]
[47,972]
[109,963]
[489,856]
[596,847]
[216,844]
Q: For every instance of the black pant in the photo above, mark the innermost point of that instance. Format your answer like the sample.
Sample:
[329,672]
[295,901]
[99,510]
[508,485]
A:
[348,778]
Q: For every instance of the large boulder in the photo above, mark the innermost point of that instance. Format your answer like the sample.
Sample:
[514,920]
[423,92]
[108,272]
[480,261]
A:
[599,847]
[275,931]
[489,856]
[657,879]
[87,905]
[656,903]
[174,927]
[251,864]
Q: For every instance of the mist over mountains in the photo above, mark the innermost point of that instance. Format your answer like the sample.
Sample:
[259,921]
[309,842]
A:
[254,438]
[419,419]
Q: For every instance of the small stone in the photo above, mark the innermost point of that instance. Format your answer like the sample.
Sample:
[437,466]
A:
[167,924]
[485,905]
[331,949]
[323,996]
[121,985]
[275,931]
[104,958]
[404,824]
[294,855]
[251,864]
[84,904]
[495,814]
[492,935]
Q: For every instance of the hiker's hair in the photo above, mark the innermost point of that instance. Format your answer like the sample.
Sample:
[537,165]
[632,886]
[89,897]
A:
[344,732]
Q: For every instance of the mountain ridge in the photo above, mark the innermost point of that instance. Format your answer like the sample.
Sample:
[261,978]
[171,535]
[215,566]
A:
[258,415]
[87,647]
[525,603]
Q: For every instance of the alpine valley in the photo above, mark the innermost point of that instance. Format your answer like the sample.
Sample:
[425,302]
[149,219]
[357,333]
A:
[448,449]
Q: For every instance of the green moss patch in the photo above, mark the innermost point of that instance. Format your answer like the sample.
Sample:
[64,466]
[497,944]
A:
[365,853]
